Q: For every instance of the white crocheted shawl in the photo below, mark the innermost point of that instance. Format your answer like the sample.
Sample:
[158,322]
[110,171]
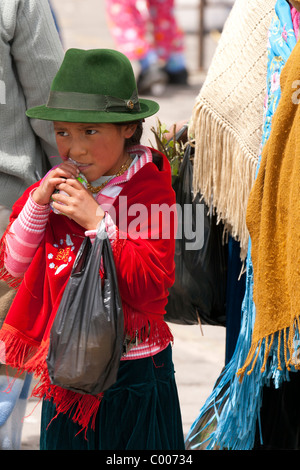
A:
[227,117]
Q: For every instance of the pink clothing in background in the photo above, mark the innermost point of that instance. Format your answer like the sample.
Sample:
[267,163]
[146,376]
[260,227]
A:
[295,19]
[132,25]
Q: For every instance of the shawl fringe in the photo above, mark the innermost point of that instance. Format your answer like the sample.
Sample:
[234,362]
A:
[284,342]
[225,183]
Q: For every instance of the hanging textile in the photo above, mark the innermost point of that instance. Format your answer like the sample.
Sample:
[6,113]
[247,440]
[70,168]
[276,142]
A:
[229,416]
[228,115]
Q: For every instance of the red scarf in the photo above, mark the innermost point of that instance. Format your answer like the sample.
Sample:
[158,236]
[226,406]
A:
[145,272]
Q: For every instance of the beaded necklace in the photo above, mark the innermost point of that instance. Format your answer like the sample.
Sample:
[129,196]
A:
[97,189]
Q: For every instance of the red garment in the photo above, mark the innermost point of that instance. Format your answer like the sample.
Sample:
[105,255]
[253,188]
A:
[145,269]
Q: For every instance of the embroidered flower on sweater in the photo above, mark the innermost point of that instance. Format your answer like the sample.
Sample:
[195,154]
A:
[62,254]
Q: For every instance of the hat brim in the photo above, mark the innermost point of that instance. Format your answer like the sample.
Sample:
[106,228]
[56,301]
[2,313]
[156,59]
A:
[147,108]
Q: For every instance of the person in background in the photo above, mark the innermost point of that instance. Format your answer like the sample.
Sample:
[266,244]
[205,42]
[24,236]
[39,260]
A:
[56,21]
[30,55]
[264,378]
[132,24]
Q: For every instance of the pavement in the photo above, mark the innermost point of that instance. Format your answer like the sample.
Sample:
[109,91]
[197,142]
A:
[198,354]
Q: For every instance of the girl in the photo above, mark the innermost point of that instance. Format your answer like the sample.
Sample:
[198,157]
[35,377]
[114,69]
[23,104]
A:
[97,116]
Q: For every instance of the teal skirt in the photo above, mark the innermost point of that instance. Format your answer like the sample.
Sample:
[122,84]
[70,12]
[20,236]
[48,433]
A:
[139,412]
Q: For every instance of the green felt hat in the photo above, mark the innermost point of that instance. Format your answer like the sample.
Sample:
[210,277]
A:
[96,85]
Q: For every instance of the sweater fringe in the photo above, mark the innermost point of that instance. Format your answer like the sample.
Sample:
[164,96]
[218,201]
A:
[29,356]
[139,328]
[24,356]
[224,170]
[16,349]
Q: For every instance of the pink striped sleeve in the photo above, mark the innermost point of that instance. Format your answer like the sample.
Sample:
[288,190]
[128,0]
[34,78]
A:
[25,236]
[111,229]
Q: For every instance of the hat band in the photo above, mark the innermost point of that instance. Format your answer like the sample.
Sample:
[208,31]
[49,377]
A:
[92,102]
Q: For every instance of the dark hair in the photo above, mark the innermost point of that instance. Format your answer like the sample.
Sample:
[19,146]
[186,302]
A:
[135,139]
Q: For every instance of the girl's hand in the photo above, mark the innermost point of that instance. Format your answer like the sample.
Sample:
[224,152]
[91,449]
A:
[42,195]
[79,204]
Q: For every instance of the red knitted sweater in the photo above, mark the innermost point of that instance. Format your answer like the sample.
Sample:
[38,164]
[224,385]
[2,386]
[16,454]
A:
[145,269]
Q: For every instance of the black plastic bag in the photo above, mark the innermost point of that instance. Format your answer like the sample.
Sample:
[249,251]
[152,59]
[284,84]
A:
[87,334]
[199,291]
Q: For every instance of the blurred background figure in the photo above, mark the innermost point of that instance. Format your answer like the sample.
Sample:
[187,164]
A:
[147,31]
[30,55]
[56,22]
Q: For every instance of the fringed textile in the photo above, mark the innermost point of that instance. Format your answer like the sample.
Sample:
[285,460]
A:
[229,417]
[273,220]
[228,115]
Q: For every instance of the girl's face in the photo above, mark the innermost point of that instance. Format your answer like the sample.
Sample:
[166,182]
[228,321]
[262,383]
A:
[97,148]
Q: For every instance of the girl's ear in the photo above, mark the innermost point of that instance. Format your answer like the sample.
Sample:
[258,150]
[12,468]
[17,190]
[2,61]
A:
[129,130]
